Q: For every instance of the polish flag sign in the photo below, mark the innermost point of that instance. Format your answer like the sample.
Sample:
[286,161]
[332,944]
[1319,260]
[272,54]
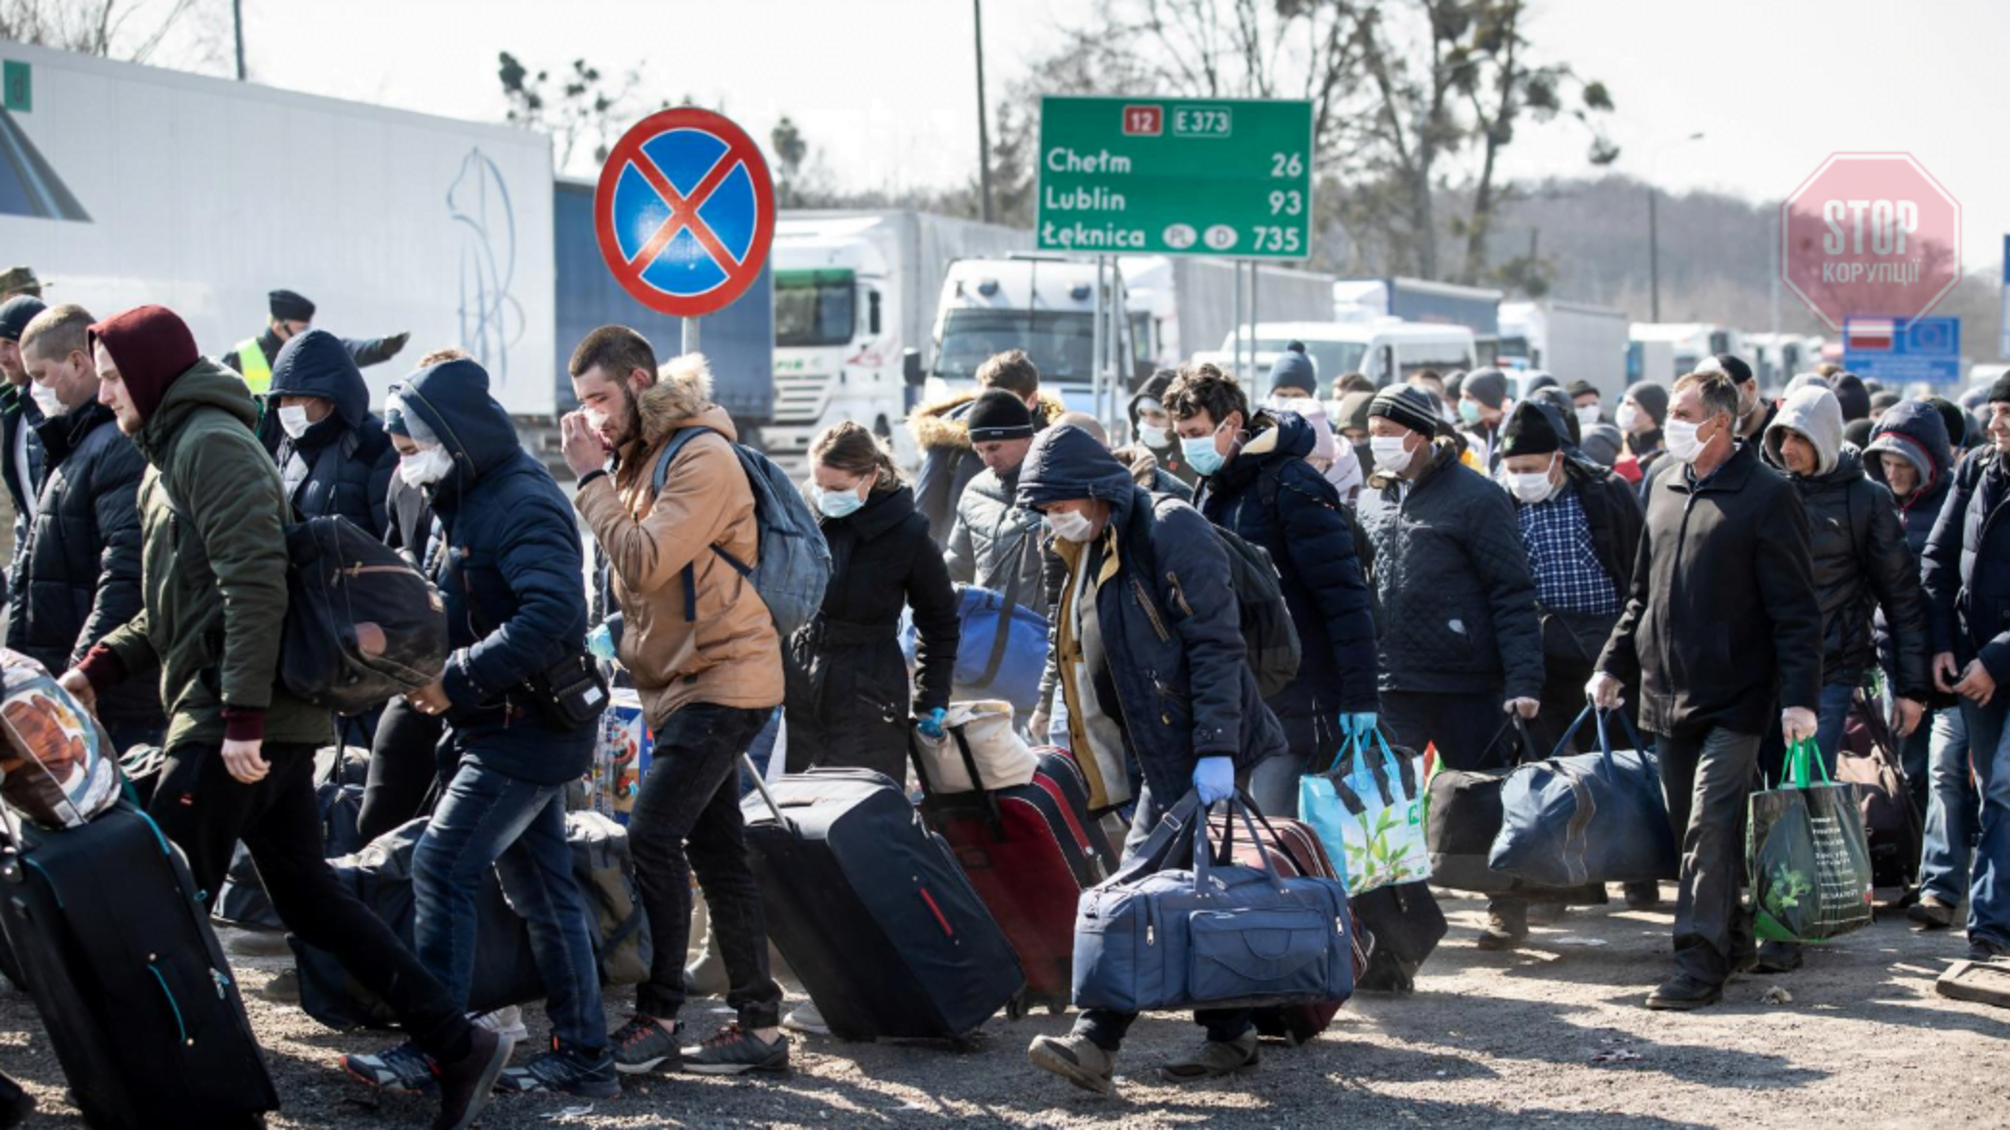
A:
[1869,334]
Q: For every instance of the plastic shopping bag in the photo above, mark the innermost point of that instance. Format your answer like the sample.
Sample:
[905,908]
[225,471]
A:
[1368,810]
[1809,855]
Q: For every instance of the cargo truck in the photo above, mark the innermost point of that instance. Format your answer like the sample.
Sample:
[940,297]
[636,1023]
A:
[1178,306]
[1571,341]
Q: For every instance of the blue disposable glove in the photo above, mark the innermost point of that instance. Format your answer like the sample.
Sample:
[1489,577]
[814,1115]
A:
[930,724]
[1359,724]
[1214,778]
[600,641]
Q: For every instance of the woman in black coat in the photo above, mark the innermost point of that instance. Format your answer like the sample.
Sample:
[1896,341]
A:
[849,703]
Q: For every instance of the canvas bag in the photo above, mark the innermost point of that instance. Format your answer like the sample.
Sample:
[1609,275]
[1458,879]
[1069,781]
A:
[1808,855]
[977,737]
[1587,818]
[1368,810]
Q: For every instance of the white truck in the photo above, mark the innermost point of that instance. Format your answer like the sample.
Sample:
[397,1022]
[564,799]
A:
[1662,351]
[1571,341]
[1046,306]
[855,298]
[1178,306]
[1385,350]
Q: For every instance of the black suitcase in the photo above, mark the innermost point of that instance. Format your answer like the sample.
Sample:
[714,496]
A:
[871,910]
[138,999]
[1406,924]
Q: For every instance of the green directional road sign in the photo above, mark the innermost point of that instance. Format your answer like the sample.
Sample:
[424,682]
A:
[1176,176]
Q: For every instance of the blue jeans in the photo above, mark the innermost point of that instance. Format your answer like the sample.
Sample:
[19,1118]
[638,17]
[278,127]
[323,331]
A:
[1829,719]
[1950,810]
[1989,889]
[488,820]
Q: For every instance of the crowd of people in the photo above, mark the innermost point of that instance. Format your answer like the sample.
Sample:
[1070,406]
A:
[1465,561]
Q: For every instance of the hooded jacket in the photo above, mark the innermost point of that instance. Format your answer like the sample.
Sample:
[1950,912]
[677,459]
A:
[1147,473]
[212,568]
[1915,431]
[948,462]
[1171,460]
[1272,497]
[1721,624]
[343,464]
[848,695]
[1454,598]
[724,650]
[1967,565]
[79,566]
[1860,562]
[996,545]
[1177,666]
[509,567]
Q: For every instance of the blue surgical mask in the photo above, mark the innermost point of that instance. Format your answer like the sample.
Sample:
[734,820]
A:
[838,504]
[1469,411]
[1200,453]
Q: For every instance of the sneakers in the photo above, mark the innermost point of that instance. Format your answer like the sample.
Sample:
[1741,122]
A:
[1507,927]
[641,1046]
[807,1019]
[1779,957]
[1643,896]
[505,1022]
[1077,1059]
[1545,913]
[735,1051]
[1931,913]
[284,988]
[1982,949]
[1213,1059]
[564,1071]
[403,1070]
[1682,993]
[465,1086]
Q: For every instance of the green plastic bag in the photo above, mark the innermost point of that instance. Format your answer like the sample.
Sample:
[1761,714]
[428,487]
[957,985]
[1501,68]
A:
[1808,855]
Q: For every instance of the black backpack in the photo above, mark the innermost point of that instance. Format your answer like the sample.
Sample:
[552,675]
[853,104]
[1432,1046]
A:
[362,623]
[1268,634]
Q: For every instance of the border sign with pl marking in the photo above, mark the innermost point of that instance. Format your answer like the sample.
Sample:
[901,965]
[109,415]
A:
[1176,176]
[685,211]
[1929,349]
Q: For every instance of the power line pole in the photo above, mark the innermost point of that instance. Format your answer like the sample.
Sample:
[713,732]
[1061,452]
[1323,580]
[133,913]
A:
[983,124]
[237,27]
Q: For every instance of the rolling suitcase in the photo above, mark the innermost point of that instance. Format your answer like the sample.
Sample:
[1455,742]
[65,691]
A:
[139,1002]
[1030,851]
[871,911]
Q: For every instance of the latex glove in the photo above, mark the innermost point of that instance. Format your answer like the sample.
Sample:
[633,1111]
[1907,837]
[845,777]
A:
[1603,691]
[600,641]
[1797,723]
[1214,778]
[1358,724]
[930,724]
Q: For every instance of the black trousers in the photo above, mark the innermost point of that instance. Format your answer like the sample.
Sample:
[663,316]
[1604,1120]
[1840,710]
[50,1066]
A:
[205,812]
[1707,777]
[404,765]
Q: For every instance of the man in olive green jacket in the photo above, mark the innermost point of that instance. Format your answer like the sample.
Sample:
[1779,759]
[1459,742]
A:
[240,749]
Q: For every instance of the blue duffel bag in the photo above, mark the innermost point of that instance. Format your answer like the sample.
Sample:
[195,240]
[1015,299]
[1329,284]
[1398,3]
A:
[1587,818]
[1001,652]
[1218,935]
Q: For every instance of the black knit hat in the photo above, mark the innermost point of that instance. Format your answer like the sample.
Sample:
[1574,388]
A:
[289,306]
[1999,393]
[1955,417]
[1529,432]
[998,414]
[1488,386]
[1727,363]
[1407,405]
[1584,388]
[16,313]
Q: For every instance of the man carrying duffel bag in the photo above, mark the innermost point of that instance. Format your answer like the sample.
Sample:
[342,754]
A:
[1150,659]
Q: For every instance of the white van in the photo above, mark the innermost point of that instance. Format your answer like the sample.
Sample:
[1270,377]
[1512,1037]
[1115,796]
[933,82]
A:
[1386,350]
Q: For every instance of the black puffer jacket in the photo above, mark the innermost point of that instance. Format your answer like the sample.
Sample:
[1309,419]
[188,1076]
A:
[994,544]
[1272,497]
[948,462]
[1454,599]
[848,698]
[1967,566]
[79,568]
[343,464]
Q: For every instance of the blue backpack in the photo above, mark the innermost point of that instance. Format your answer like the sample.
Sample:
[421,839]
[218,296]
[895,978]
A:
[793,563]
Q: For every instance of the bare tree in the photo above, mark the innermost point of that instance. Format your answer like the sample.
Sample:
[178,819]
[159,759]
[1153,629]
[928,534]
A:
[580,105]
[133,31]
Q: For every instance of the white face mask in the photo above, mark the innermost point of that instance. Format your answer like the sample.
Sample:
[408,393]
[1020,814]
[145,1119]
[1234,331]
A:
[46,399]
[1627,416]
[1532,487]
[1587,415]
[1159,438]
[1070,525]
[1391,456]
[1682,441]
[294,420]
[426,467]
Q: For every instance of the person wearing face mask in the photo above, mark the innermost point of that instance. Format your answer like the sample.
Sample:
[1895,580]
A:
[1460,645]
[1588,403]
[1155,678]
[334,458]
[77,573]
[1153,428]
[1720,624]
[1260,486]
[1755,412]
[1483,405]
[1639,418]
[20,415]
[288,315]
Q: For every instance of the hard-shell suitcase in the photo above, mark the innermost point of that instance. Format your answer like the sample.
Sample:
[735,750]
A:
[871,910]
[139,1001]
[1030,851]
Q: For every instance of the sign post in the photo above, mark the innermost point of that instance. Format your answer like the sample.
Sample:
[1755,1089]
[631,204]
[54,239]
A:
[1927,351]
[685,212]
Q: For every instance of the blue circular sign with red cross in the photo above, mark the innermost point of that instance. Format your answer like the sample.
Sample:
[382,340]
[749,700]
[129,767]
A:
[685,211]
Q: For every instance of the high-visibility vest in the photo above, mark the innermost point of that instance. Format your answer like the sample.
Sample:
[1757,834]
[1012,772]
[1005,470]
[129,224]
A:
[257,371]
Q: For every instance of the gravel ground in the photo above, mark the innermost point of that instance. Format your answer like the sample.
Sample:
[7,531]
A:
[1552,1035]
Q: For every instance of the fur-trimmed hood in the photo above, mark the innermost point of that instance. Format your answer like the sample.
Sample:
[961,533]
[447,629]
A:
[681,398]
[941,424]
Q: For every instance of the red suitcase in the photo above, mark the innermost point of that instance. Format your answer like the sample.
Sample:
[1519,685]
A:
[1030,852]
[1295,851]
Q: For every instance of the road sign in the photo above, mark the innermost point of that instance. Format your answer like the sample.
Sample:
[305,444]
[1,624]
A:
[1870,235]
[1886,348]
[1176,176]
[685,211]
[17,86]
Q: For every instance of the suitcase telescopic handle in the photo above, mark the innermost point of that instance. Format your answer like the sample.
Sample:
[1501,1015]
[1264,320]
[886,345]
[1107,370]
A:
[761,786]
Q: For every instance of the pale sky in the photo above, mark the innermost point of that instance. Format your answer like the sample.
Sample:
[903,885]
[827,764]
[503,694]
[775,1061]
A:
[885,88]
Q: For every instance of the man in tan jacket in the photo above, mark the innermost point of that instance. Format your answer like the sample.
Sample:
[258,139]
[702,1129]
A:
[702,648]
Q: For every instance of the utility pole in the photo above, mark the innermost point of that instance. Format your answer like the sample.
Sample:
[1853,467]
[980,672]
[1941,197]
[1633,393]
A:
[237,27]
[983,124]
[1653,261]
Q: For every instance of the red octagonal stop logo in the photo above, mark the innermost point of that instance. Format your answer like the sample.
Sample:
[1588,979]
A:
[1870,235]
